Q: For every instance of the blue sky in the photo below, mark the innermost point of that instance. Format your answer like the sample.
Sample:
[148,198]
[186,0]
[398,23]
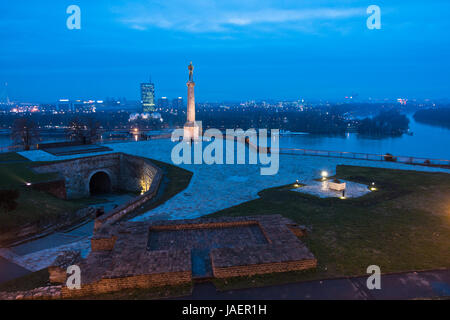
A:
[314,49]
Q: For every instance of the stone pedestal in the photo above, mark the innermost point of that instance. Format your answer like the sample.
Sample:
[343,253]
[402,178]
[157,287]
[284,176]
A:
[192,131]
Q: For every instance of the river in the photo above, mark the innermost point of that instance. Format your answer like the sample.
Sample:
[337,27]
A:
[426,142]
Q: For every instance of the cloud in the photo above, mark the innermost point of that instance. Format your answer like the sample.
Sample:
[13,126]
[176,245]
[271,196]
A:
[210,17]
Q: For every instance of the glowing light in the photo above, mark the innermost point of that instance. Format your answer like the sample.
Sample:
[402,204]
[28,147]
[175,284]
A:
[324,174]
[28,184]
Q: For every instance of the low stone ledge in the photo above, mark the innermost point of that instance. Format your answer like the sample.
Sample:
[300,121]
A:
[145,281]
[42,293]
[264,268]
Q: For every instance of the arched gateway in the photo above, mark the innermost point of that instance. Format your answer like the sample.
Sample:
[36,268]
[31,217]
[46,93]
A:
[100,183]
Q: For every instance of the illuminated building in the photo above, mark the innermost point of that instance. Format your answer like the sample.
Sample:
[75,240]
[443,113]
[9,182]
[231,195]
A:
[148,97]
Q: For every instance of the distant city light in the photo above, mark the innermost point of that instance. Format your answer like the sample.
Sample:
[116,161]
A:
[324,174]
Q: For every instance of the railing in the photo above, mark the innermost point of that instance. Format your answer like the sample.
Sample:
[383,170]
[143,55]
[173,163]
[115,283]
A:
[369,156]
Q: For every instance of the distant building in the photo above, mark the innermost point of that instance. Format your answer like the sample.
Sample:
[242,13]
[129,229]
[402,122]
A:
[64,105]
[163,102]
[148,97]
[178,103]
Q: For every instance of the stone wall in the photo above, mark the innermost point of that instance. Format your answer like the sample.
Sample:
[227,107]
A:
[77,172]
[263,268]
[136,173]
[125,172]
[56,188]
[121,259]
[108,285]
[103,244]
[154,176]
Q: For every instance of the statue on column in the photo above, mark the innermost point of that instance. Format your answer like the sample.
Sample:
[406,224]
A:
[191,69]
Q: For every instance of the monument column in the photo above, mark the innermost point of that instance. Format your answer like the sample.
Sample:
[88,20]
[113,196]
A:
[191,98]
[191,127]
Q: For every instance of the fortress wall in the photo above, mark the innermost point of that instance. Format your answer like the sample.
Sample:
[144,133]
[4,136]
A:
[126,172]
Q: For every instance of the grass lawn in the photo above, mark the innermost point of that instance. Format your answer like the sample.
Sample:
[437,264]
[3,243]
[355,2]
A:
[11,156]
[403,226]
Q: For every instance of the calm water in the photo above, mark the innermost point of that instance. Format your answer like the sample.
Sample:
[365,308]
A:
[427,142]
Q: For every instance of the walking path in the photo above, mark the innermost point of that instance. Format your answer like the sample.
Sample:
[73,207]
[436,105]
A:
[408,285]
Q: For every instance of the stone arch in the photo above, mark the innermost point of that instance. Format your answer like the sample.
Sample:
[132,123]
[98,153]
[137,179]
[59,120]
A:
[100,181]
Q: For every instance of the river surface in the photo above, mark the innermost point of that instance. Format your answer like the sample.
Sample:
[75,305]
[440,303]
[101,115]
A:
[426,142]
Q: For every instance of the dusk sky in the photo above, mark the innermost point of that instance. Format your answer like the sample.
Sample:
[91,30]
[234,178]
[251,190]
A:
[315,49]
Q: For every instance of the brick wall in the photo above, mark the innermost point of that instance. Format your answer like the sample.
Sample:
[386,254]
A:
[250,270]
[103,244]
[108,285]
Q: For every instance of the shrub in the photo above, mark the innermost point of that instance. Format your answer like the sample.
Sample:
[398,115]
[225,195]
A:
[8,200]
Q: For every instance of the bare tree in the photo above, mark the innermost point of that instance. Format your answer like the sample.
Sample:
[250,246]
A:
[25,132]
[84,131]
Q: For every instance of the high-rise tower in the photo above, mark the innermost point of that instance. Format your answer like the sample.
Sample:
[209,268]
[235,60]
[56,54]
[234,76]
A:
[148,97]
